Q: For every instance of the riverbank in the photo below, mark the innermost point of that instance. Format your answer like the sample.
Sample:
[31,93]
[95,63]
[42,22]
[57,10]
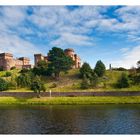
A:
[70,100]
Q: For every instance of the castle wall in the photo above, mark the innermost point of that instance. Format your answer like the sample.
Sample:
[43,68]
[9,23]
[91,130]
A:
[7,61]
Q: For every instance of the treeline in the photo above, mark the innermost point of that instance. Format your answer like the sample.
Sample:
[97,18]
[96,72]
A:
[91,78]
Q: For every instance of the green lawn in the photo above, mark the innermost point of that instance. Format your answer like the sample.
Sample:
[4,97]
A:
[70,82]
[69,100]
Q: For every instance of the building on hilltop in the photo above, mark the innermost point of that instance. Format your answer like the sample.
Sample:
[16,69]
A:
[69,52]
[7,62]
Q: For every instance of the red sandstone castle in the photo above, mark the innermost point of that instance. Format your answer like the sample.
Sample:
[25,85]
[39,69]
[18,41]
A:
[7,61]
[68,52]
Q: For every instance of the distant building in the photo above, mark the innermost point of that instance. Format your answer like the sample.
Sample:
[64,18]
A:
[68,52]
[7,62]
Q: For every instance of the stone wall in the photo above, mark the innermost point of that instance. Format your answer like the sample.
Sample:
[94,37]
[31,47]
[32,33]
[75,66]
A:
[70,94]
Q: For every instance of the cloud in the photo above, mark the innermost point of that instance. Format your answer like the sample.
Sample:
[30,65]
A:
[129,58]
[17,46]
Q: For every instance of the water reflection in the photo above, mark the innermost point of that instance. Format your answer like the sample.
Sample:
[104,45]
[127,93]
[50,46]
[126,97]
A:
[79,119]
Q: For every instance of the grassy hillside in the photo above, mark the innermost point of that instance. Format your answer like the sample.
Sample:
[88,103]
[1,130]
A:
[71,82]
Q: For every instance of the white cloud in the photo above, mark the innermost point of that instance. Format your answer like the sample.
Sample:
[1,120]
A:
[129,59]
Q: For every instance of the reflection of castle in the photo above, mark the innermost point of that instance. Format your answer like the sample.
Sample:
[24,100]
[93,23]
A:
[7,61]
[68,52]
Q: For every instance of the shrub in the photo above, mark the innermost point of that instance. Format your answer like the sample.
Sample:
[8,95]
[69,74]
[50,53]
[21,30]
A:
[37,86]
[85,84]
[3,84]
[99,68]
[54,85]
[7,74]
[12,68]
[1,68]
[123,81]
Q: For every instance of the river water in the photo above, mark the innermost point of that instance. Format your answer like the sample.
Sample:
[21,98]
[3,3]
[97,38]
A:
[70,119]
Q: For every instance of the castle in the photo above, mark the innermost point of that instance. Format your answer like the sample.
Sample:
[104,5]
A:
[7,61]
[68,52]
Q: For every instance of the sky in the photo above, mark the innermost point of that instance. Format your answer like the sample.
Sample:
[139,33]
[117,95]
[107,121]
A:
[107,33]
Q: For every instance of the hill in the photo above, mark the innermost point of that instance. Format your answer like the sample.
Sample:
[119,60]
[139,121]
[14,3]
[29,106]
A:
[71,82]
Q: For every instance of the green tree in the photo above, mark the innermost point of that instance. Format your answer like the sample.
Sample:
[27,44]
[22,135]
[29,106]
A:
[59,62]
[37,86]
[85,70]
[85,84]
[123,81]
[41,68]
[94,80]
[24,80]
[3,85]
[99,68]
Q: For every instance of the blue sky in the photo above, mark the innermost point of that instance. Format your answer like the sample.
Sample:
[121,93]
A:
[107,33]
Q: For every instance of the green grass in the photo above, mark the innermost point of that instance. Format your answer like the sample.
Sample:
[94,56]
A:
[69,100]
[70,82]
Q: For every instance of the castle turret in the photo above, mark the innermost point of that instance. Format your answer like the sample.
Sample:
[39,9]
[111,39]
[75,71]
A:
[75,57]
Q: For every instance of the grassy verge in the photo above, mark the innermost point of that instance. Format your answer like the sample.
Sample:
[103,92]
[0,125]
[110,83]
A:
[69,100]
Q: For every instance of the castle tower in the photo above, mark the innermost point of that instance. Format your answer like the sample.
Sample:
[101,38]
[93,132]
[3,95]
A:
[6,61]
[25,60]
[70,52]
[37,58]
[75,57]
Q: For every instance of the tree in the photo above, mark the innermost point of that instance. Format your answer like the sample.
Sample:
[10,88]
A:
[123,81]
[85,84]
[41,68]
[99,68]
[3,84]
[138,64]
[37,86]
[24,80]
[94,80]
[85,70]
[59,62]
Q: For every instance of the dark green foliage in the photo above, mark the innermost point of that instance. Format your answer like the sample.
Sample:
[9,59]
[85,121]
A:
[123,81]
[37,86]
[1,68]
[99,68]
[12,68]
[41,68]
[24,80]
[119,69]
[94,80]
[24,71]
[3,85]
[7,74]
[59,62]
[85,84]
[85,70]
[54,85]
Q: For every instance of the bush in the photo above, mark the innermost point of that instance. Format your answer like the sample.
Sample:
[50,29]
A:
[85,84]
[1,68]
[99,68]
[12,68]
[3,85]
[54,85]
[123,81]
[7,74]
[37,86]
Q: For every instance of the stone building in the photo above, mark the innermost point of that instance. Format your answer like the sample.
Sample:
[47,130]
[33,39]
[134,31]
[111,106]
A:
[7,62]
[69,52]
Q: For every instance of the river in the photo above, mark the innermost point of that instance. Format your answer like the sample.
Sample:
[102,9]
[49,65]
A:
[70,119]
